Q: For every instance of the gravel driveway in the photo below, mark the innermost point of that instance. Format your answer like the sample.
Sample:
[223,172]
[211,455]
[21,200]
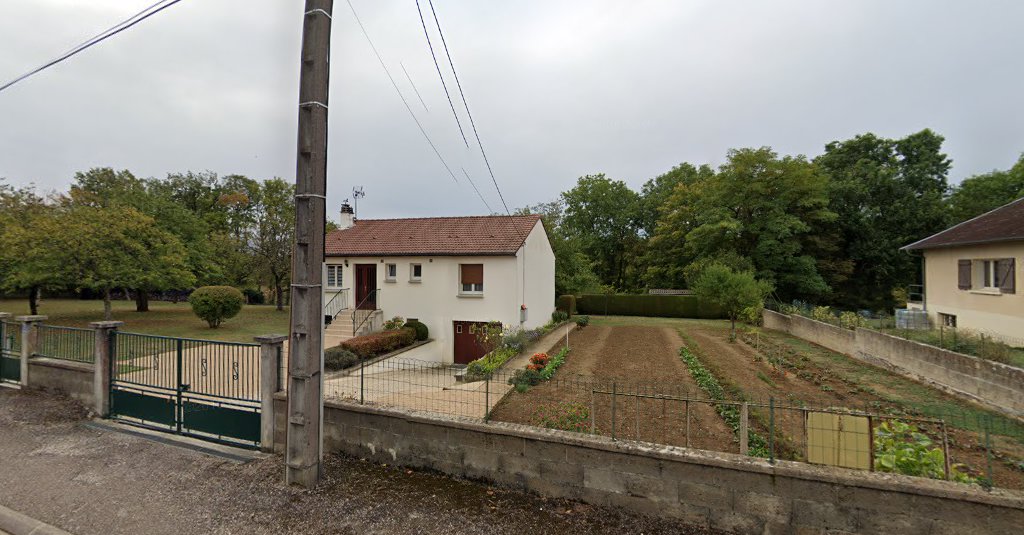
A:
[89,481]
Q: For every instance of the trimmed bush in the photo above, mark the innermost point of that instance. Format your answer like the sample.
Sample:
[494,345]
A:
[394,323]
[559,316]
[214,304]
[338,358]
[379,343]
[582,321]
[664,306]
[567,304]
[422,333]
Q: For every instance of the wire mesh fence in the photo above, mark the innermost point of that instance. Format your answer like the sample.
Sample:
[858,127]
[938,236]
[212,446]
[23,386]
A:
[66,343]
[961,446]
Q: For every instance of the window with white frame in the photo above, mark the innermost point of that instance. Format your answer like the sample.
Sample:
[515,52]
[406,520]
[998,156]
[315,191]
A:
[415,272]
[390,272]
[334,277]
[471,279]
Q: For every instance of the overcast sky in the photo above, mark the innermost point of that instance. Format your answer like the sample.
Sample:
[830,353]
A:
[558,89]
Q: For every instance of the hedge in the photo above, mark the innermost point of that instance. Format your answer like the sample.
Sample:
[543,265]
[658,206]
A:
[567,304]
[378,343]
[663,306]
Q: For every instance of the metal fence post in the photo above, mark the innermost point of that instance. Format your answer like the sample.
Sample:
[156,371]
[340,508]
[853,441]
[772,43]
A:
[945,450]
[686,404]
[988,451]
[487,397]
[103,364]
[613,408]
[180,354]
[270,383]
[744,413]
[29,342]
[362,369]
[593,417]
[771,430]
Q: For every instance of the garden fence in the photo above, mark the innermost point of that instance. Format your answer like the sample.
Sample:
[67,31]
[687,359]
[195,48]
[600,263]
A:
[66,343]
[670,414]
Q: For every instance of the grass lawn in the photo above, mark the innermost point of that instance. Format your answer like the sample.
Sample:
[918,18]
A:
[166,319]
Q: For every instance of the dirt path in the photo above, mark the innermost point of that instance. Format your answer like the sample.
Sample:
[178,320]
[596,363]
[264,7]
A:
[100,482]
[632,360]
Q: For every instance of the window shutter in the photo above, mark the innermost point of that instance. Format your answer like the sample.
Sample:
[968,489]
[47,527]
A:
[1006,271]
[472,273]
[964,273]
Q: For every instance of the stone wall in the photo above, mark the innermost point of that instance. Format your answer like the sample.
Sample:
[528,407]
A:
[718,490]
[995,385]
[71,378]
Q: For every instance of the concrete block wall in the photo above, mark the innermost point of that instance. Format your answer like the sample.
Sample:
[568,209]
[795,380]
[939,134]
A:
[717,490]
[74,379]
[993,384]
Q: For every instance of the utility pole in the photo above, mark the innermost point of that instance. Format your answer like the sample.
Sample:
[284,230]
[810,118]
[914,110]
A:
[306,343]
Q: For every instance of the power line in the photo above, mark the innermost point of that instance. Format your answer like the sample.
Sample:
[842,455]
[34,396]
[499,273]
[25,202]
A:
[464,103]
[98,38]
[439,75]
[417,91]
[478,194]
[399,91]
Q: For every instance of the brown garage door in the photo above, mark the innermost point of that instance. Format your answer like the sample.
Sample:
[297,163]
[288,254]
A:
[466,347]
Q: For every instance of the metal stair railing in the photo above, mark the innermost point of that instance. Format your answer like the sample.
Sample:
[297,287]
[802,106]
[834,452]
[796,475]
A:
[358,324]
[337,303]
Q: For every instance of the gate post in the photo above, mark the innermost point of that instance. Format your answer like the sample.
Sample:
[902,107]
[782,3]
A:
[29,342]
[270,381]
[103,364]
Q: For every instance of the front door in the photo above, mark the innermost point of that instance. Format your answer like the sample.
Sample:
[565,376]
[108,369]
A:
[366,286]
[467,349]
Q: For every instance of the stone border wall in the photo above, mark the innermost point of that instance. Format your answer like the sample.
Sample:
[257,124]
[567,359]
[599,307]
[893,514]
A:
[995,385]
[718,490]
[74,379]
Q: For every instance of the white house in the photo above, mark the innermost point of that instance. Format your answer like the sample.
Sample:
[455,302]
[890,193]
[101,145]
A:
[451,273]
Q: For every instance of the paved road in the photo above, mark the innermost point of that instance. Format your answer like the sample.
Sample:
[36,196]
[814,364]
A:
[89,481]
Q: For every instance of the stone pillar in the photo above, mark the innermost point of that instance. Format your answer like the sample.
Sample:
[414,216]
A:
[271,350]
[103,365]
[29,342]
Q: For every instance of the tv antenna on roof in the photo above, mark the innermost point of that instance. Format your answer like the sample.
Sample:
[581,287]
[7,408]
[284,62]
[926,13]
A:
[357,192]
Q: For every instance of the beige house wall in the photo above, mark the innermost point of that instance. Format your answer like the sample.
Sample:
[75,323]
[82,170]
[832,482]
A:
[976,309]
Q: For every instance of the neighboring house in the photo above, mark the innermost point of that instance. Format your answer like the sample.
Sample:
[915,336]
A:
[451,273]
[970,273]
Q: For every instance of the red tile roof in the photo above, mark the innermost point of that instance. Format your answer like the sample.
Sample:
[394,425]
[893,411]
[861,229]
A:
[1005,223]
[437,236]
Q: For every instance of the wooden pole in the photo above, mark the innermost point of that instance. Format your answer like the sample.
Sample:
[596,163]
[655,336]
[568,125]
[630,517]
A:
[306,344]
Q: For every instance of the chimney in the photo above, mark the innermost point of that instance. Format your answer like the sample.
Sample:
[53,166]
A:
[348,218]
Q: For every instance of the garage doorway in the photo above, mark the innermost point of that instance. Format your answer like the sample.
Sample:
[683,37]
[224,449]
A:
[467,349]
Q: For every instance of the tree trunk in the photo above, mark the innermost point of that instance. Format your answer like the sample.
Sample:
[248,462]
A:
[141,301]
[280,294]
[107,313]
[33,300]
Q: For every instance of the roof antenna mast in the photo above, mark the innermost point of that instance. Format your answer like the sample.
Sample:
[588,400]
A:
[357,192]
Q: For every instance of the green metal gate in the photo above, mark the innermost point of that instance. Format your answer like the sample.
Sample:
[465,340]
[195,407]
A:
[201,388]
[10,352]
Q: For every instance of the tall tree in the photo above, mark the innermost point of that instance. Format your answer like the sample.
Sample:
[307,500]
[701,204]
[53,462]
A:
[271,236]
[601,215]
[981,193]
[656,192]
[29,261]
[887,193]
[573,272]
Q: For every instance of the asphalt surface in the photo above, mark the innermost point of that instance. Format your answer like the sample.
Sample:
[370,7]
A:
[85,479]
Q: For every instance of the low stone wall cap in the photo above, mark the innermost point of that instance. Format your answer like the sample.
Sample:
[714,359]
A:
[31,318]
[105,324]
[271,338]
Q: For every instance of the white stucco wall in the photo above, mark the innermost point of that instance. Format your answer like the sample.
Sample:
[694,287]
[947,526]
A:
[436,300]
[975,309]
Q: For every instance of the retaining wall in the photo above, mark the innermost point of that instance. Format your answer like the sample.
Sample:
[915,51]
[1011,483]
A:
[71,378]
[718,490]
[996,385]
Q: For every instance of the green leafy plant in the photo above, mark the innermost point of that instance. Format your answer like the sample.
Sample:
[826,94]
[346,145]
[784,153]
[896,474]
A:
[422,333]
[901,448]
[559,316]
[582,321]
[566,416]
[522,380]
[214,304]
[823,314]
[484,366]
[852,320]
[394,323]
[338,358]
[553,364]
[567,304]
[378,343]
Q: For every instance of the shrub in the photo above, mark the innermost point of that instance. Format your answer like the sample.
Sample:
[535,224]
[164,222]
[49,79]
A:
[254,296]
[394,323]
[486,365]
[538,361]
[567,304]
[665,306]
[422,333]
[852,320]
[214,304]
[338,358]
[901,448]
[554,363]
[823,314]
[559,316]
[522,380]
[378,343]
[570,416]
[582,321]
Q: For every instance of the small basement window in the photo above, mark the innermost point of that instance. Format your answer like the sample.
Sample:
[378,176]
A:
[471,278]
[390,272]
[415,272]
[947,320]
